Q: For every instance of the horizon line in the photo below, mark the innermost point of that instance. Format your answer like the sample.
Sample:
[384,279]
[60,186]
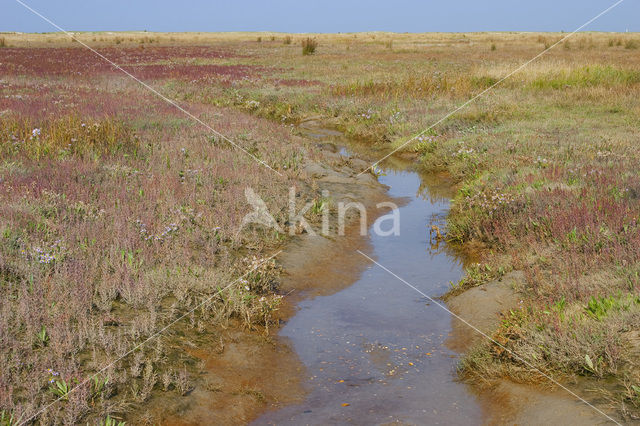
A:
[314,32]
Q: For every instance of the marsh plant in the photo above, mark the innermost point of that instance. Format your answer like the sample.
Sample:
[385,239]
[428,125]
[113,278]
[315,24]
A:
[117,217]
[309,46]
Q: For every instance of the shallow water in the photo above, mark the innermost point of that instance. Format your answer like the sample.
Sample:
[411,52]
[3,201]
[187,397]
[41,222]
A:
[375,352]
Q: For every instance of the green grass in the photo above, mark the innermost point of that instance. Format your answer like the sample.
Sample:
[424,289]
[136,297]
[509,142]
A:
[588,76]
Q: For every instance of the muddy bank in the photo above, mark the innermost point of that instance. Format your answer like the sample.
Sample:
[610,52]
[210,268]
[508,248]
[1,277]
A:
[504,401]
[481,306]
[240,372]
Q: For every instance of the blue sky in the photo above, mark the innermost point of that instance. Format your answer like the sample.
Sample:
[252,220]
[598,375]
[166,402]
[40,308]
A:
[320,16]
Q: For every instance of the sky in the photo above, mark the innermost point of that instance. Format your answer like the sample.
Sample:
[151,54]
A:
[329,16]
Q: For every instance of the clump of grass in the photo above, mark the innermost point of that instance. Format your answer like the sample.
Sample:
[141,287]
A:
[309,46]
[493,47]
[588,76]
[287,40]
[545,41]
[259,39]
[389,44]
[631,44]
[3,42]
[419,85]
[617,41]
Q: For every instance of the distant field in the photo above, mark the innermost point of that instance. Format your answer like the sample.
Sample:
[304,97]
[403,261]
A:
[114,203]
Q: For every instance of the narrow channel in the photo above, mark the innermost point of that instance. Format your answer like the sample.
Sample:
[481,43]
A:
[375,351]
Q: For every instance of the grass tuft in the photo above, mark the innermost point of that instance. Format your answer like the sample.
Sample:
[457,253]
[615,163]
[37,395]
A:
[309,46]
[588,76]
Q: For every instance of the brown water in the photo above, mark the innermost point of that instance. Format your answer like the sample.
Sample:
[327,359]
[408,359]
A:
[375,351]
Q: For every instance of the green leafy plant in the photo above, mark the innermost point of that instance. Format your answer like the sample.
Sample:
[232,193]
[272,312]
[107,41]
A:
[319,206]
[636,389]
[98,385]
[110,421]
[7,419]
[593,367]
[598,307]
[43,337]
[61,389]
[560,304]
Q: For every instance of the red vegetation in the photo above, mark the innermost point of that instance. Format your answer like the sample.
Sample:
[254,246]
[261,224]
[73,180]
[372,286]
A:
[42,100]
[594,223]
[143,63]
[294,82]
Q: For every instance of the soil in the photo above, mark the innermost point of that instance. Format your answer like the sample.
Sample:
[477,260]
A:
[238,379]
[482,306]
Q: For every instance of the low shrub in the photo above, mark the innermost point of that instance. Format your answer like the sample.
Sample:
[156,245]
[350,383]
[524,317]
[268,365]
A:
[309,46]
[631,44]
